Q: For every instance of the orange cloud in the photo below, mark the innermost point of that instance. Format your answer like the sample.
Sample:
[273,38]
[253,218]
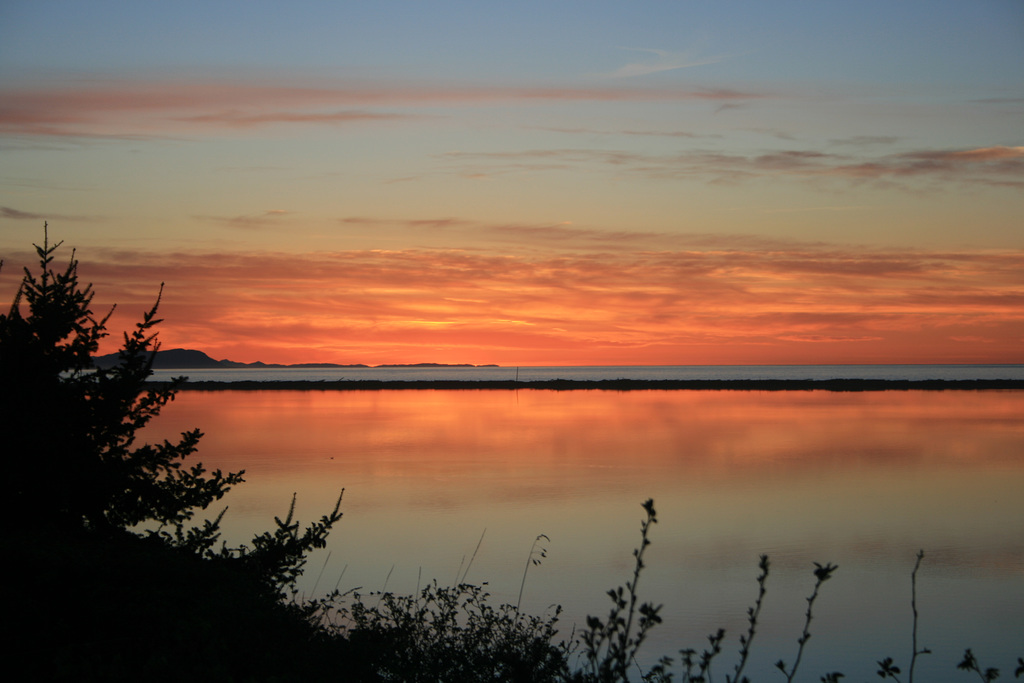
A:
[626,131]
[995,166]
[798,304]
[129,108]
[237,119]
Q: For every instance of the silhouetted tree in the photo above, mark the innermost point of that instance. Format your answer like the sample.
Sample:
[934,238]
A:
[70,428]
[69,433]
[157,602]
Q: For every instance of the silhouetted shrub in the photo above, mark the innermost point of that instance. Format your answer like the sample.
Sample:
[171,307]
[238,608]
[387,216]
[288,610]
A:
[450,634]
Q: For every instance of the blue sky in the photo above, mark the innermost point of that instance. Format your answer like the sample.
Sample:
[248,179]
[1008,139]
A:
[933,43]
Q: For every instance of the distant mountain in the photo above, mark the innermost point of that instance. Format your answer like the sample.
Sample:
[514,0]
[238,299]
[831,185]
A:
[169,360]
[190,359]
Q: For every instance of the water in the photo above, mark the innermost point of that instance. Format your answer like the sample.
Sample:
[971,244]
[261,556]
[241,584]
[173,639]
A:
[862,480]
[683,372]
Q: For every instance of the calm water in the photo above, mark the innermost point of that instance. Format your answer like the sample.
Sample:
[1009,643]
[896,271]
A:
[862,480]
[648,372]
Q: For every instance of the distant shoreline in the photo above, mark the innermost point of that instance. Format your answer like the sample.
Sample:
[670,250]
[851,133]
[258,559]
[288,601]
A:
[609,385]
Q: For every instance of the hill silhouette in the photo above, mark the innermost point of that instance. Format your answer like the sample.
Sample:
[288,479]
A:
[191,359]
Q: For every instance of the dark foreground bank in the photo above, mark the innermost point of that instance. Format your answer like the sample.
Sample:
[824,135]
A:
[615,385]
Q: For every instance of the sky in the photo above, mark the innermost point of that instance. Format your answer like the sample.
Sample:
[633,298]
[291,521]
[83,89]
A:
[531,183]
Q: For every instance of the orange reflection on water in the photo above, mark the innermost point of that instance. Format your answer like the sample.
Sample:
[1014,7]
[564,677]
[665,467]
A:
[861,458]
[707,432]
[859,479]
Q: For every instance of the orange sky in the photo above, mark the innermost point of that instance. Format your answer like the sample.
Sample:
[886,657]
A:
[467,185]
[789,304]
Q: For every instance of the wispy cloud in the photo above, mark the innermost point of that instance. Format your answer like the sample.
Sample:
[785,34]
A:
[12,214]
[809,209]
[1000,100]
[663,61]
[645,133]
[562,235]
[775,133]
[267,219]
[139,109]
[997,166]
[866,140]
[237,119]
[415,223]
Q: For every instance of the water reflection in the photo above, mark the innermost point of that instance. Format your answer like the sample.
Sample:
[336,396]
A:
[859,479]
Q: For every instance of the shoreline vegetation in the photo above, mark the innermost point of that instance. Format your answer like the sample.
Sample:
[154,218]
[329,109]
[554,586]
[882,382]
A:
[607,385]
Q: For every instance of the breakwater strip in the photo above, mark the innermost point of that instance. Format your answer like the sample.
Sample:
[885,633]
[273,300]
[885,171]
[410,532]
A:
[611,385]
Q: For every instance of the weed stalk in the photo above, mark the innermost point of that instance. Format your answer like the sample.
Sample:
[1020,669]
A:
[913,606]
[534,558]
[752,614]
[821,574]
[611,646]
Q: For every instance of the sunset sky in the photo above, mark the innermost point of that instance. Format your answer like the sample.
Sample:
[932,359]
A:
[529,183]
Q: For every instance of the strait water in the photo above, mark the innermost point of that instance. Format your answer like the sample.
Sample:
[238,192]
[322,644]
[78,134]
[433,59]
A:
[862,480]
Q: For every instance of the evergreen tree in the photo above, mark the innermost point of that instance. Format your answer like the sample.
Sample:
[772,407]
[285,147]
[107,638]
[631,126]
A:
[159,602]
[70,428]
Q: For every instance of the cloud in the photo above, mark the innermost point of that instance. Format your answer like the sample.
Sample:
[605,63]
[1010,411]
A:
[726,106]
[561,235]
[996,166]
[1000,100]
[267,219]
[806,209]
[572,236]
[866,140]
[651,133]
[1008,159]
[236,119]
[817,339]
[14,214]
[133,109]
[665,61]
[980,155]
[774,132]
[415,223]
[9,213]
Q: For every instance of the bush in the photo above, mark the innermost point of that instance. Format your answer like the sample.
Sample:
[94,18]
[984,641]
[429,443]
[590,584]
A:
[450,634]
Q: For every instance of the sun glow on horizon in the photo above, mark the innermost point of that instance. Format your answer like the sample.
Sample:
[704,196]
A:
[798,305]
[461,184]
